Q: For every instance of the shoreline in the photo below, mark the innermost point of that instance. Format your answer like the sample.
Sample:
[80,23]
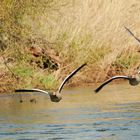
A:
[10,91]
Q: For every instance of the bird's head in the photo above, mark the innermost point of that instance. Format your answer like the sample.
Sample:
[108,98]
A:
[133,82]
[55,96]
[135,79]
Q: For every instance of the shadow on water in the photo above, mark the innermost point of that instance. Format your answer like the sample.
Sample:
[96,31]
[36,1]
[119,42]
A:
[113,114]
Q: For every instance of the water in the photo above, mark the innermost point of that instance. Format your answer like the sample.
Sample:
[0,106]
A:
[113,114]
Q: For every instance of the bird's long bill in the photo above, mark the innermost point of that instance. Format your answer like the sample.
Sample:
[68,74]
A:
[109,80]
[69,76]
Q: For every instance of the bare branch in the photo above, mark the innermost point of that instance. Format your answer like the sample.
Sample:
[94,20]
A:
[9,67]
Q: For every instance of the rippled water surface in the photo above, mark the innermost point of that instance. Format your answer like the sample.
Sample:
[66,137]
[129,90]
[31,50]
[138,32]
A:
[113,114]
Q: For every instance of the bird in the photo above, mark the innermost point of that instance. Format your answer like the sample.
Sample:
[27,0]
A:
[56,95]
[133,80]
[132,34]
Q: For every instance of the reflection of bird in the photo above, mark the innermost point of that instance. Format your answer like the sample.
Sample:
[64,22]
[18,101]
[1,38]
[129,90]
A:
[133,80]
[132,34]
[54,96]
[33,100]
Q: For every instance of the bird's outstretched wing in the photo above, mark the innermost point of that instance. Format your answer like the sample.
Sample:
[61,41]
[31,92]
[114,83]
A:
[32,90]
[69,76]
[109,80]
[132,34]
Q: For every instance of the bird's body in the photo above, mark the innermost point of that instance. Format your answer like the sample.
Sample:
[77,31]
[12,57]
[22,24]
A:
[133,80]
[54,96]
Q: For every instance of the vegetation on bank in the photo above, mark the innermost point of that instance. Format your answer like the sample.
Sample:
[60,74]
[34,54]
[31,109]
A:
[43,41]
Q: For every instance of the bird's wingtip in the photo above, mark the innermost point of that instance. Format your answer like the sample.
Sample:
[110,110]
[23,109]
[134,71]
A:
[125,27]
[96,91]
[85,64]
[16,90]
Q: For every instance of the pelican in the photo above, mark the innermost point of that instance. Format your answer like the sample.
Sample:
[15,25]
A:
[133,81]
[54,96]
[132,34]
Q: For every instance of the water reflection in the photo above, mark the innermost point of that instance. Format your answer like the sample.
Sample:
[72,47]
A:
[111,115]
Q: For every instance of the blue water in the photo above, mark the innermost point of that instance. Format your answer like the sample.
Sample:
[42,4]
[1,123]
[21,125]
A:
[81,115]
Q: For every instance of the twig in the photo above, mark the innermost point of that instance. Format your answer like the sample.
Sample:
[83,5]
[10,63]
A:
[9,68]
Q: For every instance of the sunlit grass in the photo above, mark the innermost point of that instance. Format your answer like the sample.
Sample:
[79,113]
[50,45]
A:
[89,31]
[48,81]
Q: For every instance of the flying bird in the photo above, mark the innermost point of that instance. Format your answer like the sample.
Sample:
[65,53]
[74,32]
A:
[132,34]
[54,96]
[133,81]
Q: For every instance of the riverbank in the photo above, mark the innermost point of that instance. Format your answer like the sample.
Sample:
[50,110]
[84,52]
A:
[42,42]
[9,85]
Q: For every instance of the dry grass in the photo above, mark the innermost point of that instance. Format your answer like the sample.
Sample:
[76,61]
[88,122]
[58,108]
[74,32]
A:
[89,31]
